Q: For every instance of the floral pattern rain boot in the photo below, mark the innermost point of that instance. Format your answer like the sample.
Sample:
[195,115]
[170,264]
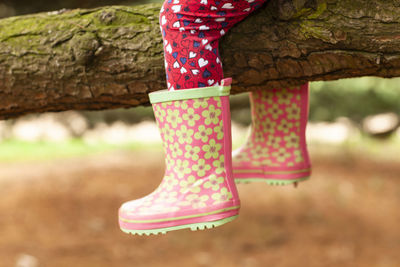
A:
[198,190]
[276,150]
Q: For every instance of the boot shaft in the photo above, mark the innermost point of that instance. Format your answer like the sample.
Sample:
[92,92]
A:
[195,128]
[279,120]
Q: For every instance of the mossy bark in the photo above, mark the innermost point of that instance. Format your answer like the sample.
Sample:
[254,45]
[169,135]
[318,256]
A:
[112,57]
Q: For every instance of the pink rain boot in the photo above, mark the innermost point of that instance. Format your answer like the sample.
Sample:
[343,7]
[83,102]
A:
[198,190]
[276,150]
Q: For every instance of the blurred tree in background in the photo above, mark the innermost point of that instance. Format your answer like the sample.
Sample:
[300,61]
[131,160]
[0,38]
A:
[354,98]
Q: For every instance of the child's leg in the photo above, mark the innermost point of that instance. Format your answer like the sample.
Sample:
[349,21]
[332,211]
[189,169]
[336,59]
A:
[198,190]
[191,30]
[276,150]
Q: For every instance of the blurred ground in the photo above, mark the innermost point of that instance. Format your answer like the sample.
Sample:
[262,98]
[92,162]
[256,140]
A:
[63,177]
[64,213]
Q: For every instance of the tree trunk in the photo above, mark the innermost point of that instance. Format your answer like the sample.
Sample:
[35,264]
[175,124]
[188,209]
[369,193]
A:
[112,57]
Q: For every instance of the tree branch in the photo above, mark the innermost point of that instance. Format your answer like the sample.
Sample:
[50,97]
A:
[112,57]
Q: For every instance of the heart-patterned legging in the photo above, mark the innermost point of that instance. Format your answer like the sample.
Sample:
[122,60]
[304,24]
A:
[191,30]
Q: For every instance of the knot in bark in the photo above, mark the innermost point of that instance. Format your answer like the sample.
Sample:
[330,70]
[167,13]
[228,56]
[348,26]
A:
[84,47]
[289,9]
[107,16]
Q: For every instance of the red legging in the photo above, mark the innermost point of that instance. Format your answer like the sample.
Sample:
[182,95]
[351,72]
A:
[191,30]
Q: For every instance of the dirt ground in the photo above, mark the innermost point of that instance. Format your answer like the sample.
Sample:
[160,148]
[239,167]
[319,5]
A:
[64,213]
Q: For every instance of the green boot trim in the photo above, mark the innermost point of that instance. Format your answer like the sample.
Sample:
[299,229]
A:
[193,227]
[166,96]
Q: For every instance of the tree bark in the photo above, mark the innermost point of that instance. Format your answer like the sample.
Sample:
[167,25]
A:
[112,57]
